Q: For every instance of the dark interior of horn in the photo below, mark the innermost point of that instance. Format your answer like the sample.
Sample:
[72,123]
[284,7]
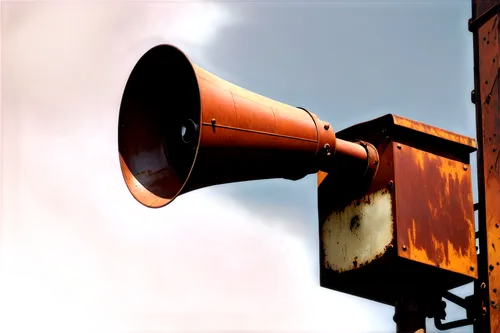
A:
[159,125]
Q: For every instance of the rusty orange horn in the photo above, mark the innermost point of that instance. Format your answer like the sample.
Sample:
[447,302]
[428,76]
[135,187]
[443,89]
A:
[182,128]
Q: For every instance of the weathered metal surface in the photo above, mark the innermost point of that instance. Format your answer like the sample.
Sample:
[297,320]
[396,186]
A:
[422,170]
[434,131]
[359,233]
[182,128]
[435,213]
[486,48]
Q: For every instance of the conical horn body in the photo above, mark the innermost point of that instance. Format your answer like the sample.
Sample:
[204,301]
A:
[182,128]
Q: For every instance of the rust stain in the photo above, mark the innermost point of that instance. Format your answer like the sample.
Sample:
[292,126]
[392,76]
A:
[443,253]
[435,131]
[447,169]
[435,216]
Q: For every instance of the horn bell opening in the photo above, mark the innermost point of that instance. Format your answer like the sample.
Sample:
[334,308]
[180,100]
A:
[159,126]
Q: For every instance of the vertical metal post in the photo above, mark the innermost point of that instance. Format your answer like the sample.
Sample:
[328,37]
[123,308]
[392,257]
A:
[410,312]
[411,325]
[484,26]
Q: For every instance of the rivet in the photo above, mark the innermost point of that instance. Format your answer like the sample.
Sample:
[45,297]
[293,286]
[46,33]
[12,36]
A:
[399,146]
[483,285]
[404,247]
[327,126]
[495,290]
[465,167]
[492,267]
[375,162]
[213,121]
[389,185]
[471,268]
[484,311]
[497,225]
[326,146]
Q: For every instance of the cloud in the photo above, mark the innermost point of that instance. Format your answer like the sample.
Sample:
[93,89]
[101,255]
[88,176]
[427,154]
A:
[77,252]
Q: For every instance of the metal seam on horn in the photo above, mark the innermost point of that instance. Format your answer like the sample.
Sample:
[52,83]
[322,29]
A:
[318,148]
[258,132]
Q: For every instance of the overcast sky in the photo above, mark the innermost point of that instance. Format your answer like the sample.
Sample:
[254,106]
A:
[79,254]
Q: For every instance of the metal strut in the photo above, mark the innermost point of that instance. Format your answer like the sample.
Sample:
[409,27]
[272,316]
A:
[469,303]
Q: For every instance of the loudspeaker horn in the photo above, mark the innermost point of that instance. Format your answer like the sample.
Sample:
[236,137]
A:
[182,128]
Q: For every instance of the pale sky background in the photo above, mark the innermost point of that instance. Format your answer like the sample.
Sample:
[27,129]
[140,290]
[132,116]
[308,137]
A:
[79,254]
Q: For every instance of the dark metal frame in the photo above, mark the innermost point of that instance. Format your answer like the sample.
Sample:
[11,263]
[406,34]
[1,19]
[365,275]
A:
[484,26]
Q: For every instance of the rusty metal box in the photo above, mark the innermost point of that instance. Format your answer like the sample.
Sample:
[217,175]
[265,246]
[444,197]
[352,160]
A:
[412,226]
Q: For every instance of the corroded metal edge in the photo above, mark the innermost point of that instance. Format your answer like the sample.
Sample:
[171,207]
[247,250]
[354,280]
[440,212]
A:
[486,90]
